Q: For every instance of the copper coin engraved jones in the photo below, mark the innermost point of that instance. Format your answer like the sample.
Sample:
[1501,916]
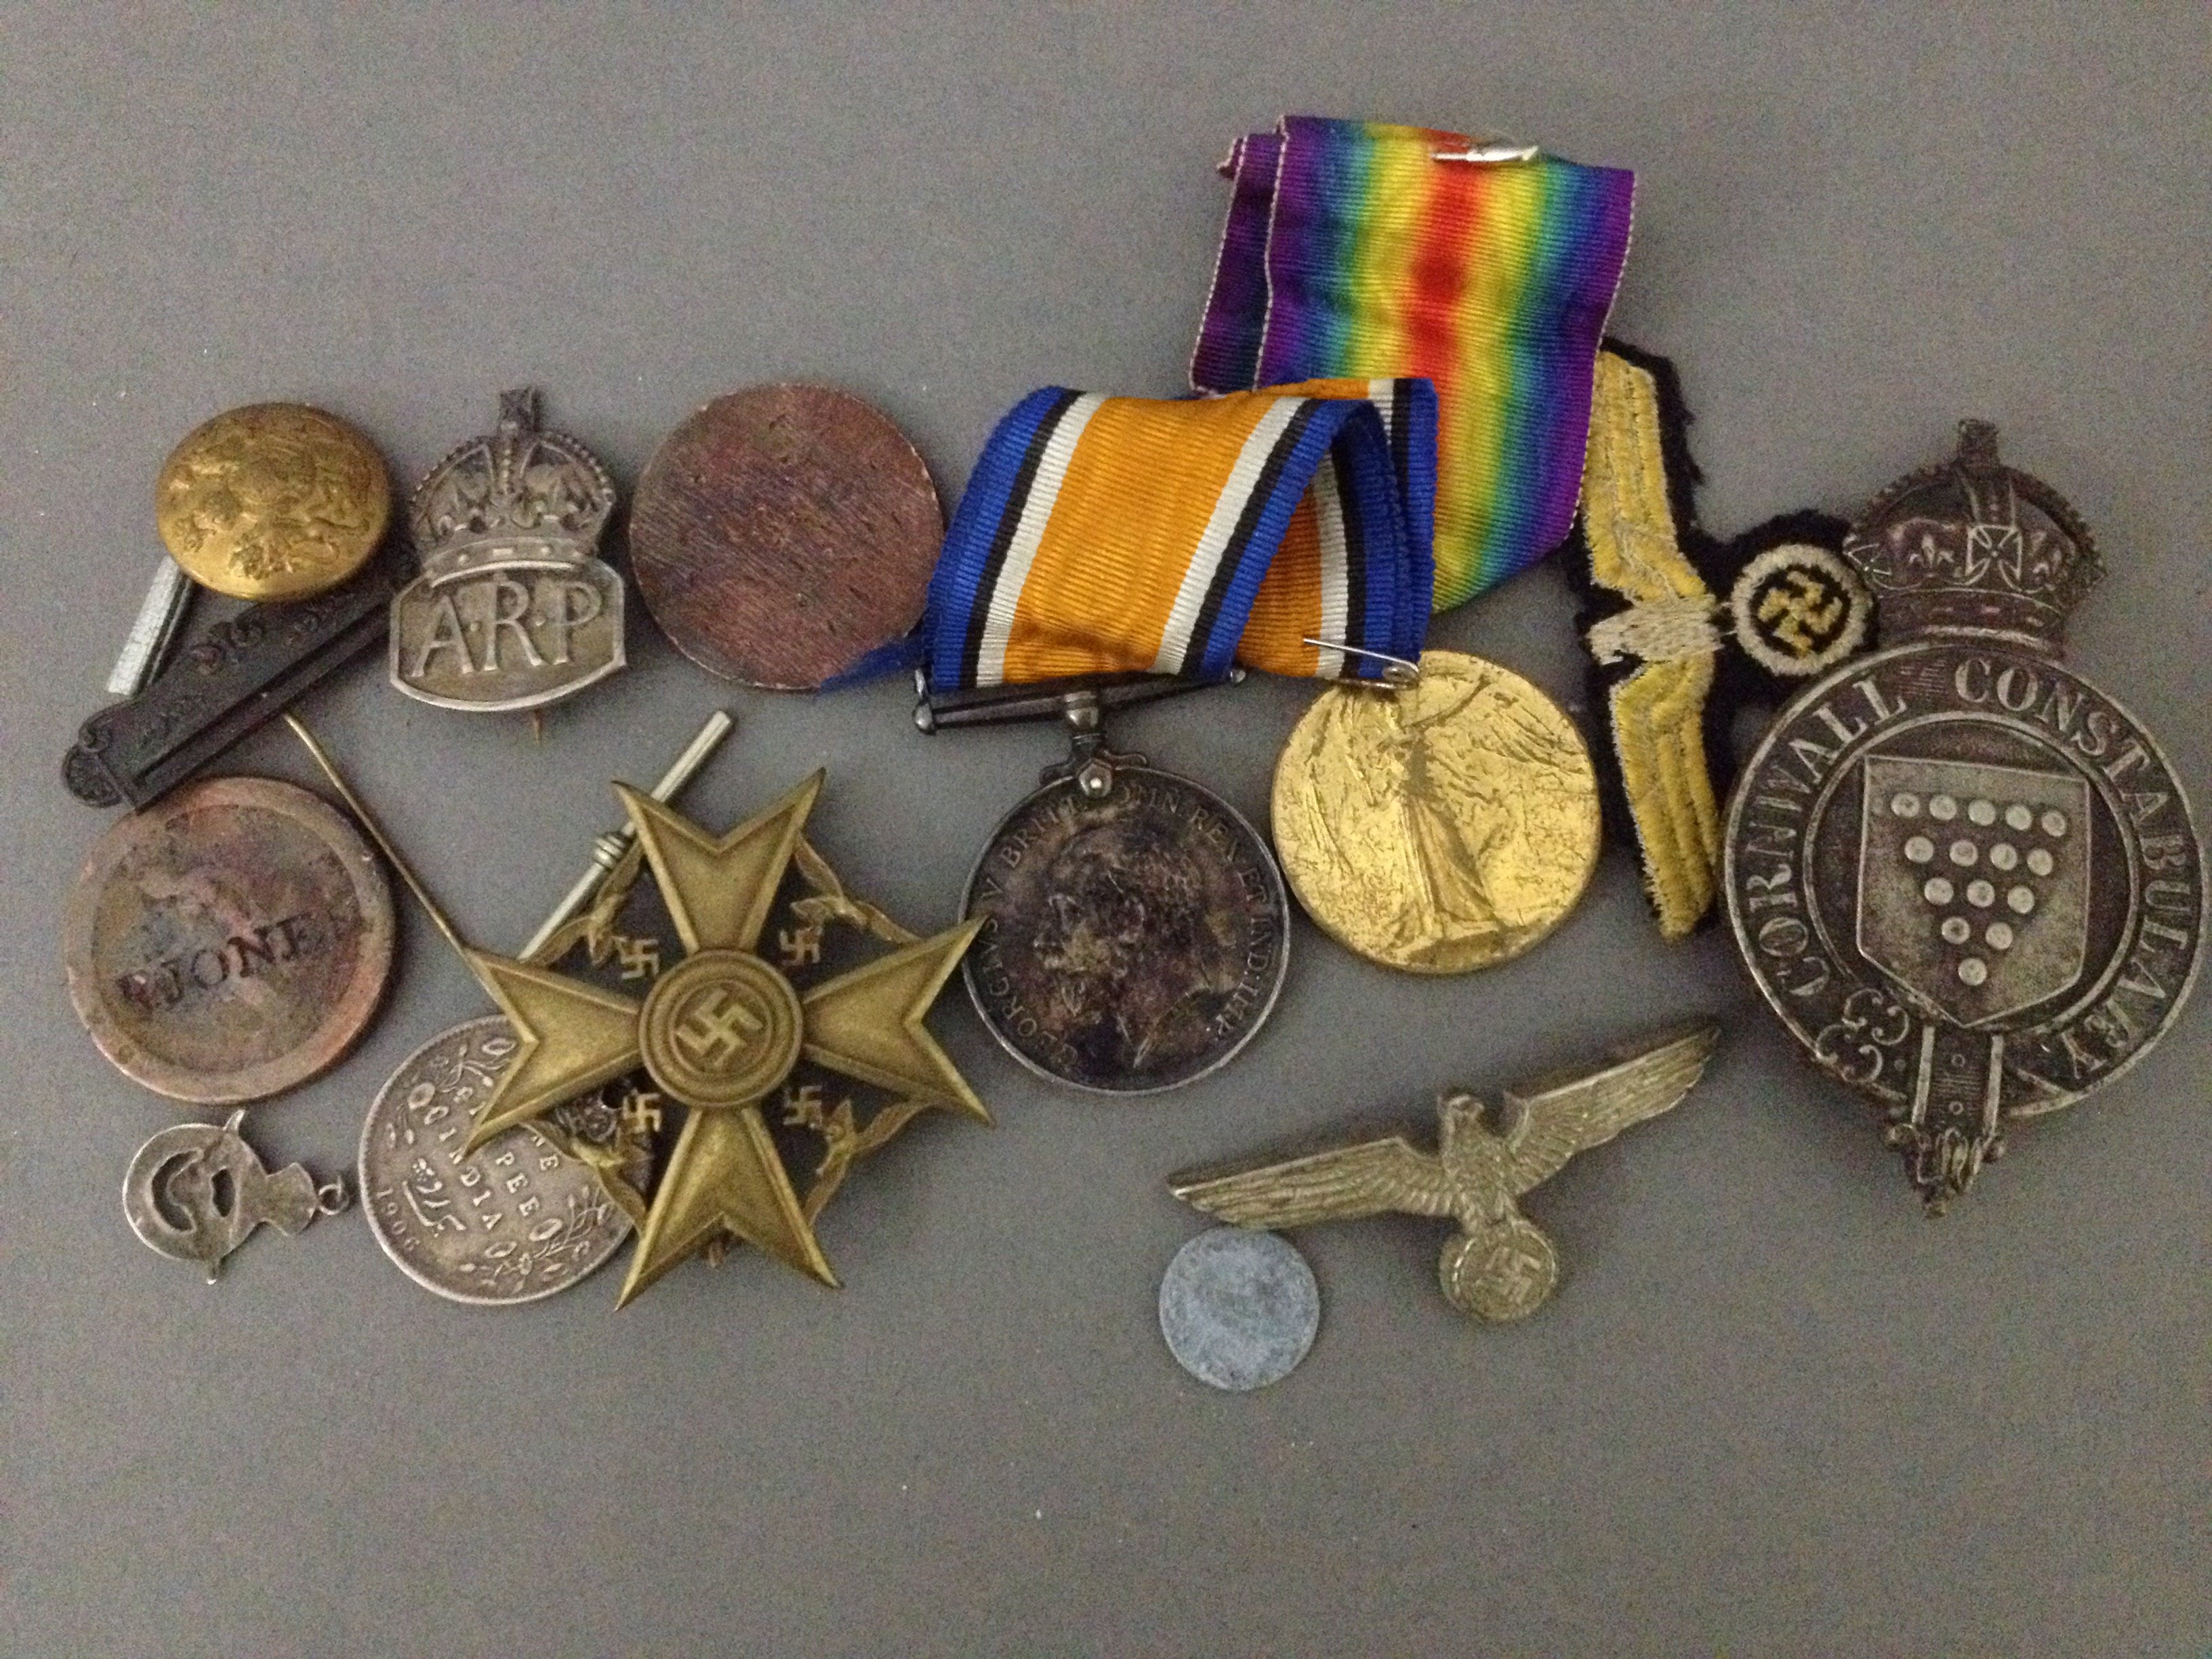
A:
[1966,879]
[1132,943]
[511,1222]
[230,943]
[783,533]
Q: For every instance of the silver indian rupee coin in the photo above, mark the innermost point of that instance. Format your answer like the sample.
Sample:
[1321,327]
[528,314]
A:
[511,1222]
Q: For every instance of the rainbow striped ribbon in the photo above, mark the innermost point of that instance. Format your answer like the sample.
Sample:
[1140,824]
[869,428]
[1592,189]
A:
[1105,535]
[1351,250]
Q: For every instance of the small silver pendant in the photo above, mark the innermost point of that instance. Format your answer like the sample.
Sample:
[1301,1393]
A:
[195,1191]
[513,609]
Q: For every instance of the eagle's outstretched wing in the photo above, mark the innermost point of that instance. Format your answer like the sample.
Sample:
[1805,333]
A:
[1628,501]
[1371,1177]
[1557,1116]
[1658,737]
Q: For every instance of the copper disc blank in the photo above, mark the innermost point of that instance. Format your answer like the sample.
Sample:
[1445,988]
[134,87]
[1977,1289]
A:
[783,533]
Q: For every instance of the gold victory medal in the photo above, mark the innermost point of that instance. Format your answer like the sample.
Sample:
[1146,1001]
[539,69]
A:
[1439,825]
[272,502]
[719,1032]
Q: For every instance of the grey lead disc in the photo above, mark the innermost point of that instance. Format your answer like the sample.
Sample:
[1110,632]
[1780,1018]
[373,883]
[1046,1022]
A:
[1239,1309]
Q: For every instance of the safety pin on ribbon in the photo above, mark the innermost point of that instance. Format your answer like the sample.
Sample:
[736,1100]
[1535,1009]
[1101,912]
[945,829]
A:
[1488,152]
[1397,673]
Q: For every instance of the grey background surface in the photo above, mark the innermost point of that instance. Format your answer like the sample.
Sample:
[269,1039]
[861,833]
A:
[1773,1410]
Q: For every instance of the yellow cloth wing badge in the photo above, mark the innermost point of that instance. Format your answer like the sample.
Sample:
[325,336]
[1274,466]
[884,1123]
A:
[1683,629]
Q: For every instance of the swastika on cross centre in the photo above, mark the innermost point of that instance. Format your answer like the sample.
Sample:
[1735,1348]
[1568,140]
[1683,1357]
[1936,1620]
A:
[716,1027]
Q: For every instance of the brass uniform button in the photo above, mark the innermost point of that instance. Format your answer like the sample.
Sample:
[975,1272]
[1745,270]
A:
[272,502]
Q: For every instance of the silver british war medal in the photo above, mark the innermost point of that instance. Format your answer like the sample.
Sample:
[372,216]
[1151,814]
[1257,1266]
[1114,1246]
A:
[1966,879]
[1135,927]
[512,608]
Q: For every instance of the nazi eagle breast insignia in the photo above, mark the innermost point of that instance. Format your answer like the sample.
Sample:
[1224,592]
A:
[513,609]
[1966,879]
[1498,1266]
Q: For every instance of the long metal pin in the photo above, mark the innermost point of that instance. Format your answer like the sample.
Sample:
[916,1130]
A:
[161,614]
[608,849]
[376,833]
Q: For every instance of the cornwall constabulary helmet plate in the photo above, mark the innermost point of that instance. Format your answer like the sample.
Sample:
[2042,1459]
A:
[1966,879]
[513,608]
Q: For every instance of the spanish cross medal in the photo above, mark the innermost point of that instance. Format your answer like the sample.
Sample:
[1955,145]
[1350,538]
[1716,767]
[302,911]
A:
[720,1028]
[1964,878]
[513,609]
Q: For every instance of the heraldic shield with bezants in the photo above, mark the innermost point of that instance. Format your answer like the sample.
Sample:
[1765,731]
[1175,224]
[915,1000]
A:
[1966,879]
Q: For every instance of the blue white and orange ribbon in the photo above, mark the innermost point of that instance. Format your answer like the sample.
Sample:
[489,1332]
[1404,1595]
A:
[1104,534]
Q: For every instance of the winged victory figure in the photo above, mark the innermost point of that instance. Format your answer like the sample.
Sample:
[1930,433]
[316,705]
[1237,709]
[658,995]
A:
[1500,1266]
